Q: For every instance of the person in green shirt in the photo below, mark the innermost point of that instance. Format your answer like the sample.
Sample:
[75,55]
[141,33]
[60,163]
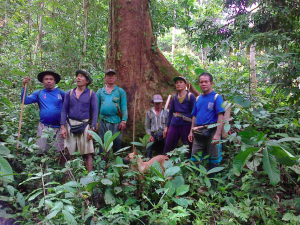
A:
[112,105]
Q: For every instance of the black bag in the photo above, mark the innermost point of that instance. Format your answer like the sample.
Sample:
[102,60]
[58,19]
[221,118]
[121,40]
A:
[78,129]
[158,136]
[202,133]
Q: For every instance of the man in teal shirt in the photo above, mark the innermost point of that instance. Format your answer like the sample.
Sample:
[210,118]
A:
[112,105]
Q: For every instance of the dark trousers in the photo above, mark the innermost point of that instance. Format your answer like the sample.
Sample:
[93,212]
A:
[173,136]
[157,146]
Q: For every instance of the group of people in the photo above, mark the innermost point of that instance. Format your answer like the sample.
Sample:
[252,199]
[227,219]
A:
[196,121]
[71,114]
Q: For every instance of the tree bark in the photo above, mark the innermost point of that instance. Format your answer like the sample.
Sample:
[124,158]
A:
[141,67]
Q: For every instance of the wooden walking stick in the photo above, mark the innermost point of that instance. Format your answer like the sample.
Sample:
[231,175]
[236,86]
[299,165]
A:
[20,122]
[168,101]
[133,129]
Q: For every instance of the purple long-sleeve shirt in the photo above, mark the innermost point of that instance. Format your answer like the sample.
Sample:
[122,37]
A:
[185,108]
[80,109]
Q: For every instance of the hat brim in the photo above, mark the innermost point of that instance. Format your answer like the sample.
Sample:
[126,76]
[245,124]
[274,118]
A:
[179,78]
[88,76]
[41,75]
[157,101]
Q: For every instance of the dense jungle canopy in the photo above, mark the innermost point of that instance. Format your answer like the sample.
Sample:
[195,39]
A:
[251,47]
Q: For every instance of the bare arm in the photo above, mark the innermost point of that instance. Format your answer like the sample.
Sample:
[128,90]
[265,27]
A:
[191,132]
[217,137]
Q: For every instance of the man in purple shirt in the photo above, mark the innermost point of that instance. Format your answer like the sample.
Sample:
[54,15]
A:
[80,110]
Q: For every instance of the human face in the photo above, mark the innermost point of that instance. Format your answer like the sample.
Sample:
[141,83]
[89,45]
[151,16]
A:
[49,82]
[157,105]
[180,85]
[205,84]
[110,78]
[81,80]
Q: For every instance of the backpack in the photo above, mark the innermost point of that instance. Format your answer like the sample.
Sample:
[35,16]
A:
[227,117]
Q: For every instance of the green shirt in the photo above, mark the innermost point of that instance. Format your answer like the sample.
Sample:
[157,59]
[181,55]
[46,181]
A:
[107,104]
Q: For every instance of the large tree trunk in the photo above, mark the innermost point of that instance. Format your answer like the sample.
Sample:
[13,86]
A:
[140,65]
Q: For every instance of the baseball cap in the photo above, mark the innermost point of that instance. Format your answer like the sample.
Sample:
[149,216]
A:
[180,77]
[110,71]
[157,98]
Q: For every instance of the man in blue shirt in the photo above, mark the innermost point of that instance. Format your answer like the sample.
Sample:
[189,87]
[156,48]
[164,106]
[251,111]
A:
[50,102]
[207,110]
[112,104]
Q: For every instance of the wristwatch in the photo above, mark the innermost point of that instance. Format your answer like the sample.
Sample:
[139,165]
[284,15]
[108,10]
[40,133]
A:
[123,121]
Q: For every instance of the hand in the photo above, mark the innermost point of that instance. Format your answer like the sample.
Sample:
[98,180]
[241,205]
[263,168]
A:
[216,139]
[151,139]
[122,126]
[89,136]
[191,137]
[165,132]
[63,132]
[26,80]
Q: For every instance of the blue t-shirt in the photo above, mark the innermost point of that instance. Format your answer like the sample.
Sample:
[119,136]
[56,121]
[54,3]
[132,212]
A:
[50,103]
[206,109]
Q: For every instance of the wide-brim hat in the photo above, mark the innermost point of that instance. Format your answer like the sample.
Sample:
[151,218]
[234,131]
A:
[86,74]
[110,71]
[181,78]
[41,75]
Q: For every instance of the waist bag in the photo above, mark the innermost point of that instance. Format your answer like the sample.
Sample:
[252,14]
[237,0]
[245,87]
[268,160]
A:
[78,129]
[158,136]
[202,133]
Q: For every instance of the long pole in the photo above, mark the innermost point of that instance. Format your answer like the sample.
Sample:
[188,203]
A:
[22,108]
[133,129]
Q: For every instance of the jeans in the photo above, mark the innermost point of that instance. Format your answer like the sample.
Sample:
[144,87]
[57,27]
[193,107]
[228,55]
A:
[114,128]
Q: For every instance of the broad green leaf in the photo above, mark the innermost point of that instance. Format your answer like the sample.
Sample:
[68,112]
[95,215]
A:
[149,145]
[178,181]
[169,185]
[107,136]
[5,170]
[110,140]
[288,139]
[4,150]
[35,195]
[70,208]
[241,159]
[283,156]
[207,182]
[52,214]
[226,127]
[183,202]
[130,201]
[96,138]
[182,190]
[106,181]
[69,218]
[119,160]
[171,171]
[270,166]
[157,169]
[109,198]
[11,190]
[137,144]
[215,170]
[20,199]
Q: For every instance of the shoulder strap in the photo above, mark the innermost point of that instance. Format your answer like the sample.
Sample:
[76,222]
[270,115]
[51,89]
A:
[216,95]
[91,93]
[189,96]
[198,98]
[71,91]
